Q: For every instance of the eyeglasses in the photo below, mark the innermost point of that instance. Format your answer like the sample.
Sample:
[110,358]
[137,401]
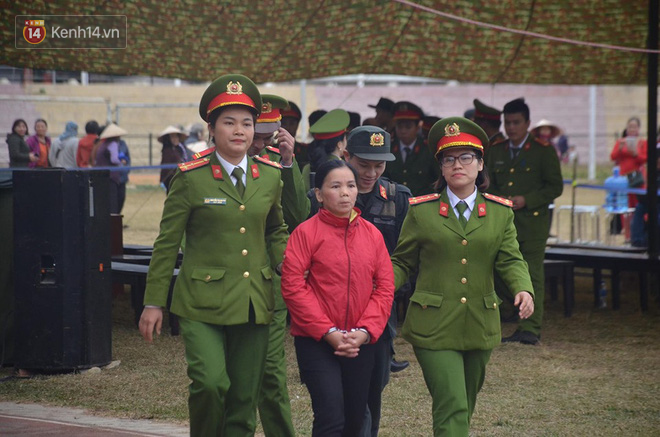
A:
[464,159]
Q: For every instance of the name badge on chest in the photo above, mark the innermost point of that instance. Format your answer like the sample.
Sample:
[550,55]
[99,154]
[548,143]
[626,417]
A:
[214,201]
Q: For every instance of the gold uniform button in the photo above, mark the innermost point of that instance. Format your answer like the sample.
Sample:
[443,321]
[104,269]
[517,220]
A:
[536,213]
[510,184]
[242,230]
[405,171]
[463,300]
[242,207]
[512,170]
[246,274]
[244,252]
[463,261]
[494,305]
[405,183]
[464,242]
[208,278]
[463,280]
[424,307]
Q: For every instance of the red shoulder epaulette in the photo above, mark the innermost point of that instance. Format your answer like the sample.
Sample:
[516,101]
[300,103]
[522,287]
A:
[274,149]
[191,165]
[264,160]
[498,199]
[422,199]
[203,153]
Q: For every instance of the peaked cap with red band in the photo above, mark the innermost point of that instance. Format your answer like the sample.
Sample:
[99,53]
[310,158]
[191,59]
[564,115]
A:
[227,90]
[407,111]
[485,111]
[457,132]
[331,125]
[291,110]
[269,119]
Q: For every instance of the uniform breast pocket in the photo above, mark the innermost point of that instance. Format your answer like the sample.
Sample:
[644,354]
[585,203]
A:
[207,287]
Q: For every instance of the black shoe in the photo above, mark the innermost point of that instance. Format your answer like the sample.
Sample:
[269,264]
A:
[397,366]
[524,337]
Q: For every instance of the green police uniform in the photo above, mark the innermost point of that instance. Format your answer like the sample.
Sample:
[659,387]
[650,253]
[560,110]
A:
[224,291]
[419,170]
[274,403]
[534,174]
[453,317]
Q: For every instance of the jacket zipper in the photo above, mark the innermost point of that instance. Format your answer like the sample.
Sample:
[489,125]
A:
[348,285]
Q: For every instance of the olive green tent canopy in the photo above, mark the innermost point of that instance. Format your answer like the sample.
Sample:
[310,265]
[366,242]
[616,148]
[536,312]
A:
[275,40]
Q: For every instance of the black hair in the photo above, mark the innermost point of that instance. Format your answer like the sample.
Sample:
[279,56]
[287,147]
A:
[517,106]
[38,120]
[639,122]
[314,116]
[167,143]
[319,150]
[482,182]
[16,123]
[325,169]
[92,127]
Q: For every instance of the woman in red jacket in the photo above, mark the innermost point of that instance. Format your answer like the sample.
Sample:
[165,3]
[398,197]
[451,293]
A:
[338,285]
[629,153]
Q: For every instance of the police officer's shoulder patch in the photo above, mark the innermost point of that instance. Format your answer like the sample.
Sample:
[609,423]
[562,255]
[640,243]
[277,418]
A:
[203,153]
[423,199]
[273,149]
[264,160]
[498,199]
[191,165]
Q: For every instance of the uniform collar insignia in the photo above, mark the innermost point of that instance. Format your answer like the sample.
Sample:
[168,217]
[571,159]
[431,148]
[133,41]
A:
[383,192]
[444,209]
[254,168]
[217,171]
[482,209]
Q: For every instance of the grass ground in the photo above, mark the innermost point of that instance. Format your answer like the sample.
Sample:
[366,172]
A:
[595,374]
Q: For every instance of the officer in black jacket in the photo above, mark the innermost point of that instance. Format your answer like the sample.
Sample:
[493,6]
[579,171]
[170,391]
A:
[385,205]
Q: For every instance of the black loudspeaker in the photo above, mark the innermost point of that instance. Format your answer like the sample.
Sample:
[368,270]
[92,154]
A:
[62,276]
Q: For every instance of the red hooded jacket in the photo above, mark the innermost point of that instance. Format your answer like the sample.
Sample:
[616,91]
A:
[350,282]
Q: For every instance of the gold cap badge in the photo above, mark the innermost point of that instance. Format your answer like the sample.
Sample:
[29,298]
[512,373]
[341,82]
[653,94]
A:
[377,140]
[451,130]
[234,87]
[266,108]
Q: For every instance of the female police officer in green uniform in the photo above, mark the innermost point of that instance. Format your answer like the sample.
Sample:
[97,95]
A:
[456,238]
[229,207]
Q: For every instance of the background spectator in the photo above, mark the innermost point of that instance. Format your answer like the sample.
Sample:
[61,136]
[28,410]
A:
[86,144]
[40,144]
[173,152]
[64,149]
[19,152]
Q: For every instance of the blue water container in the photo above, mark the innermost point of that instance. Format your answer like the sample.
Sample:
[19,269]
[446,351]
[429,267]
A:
[616,200]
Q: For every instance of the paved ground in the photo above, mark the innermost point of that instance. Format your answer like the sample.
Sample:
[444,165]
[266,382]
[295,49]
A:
[37,420]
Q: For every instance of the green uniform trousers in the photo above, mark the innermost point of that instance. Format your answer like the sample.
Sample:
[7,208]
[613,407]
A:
[533,252]
[274,404]
[453,378]
[226,365]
